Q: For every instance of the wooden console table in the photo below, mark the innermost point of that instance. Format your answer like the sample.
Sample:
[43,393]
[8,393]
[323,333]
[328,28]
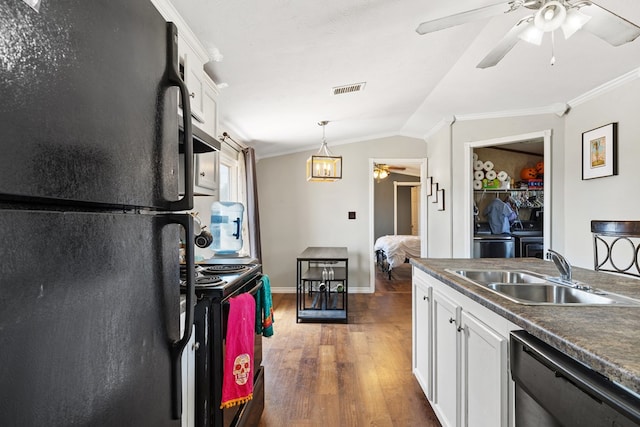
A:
[322,285]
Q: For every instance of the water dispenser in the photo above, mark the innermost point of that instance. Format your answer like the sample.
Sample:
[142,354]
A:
[226,227]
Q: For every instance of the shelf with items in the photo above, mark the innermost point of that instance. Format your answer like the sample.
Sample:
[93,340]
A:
[322,285]
[527,204]
[508,190]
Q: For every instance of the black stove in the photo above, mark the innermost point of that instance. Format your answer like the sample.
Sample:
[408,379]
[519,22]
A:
[221,276]
[217,281]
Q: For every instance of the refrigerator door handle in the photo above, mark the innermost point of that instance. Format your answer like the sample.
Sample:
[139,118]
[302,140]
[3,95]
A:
[186,202]
[177,347]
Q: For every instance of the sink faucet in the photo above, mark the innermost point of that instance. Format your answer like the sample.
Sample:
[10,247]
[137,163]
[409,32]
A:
[562,264]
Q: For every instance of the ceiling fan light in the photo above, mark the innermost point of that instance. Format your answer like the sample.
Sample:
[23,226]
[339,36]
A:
[550,16]
[575,20]
[532,34]
[380,172]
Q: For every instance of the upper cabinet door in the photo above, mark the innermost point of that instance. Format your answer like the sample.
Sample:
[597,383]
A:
[207,173]
[88,114]
[210,108]
[192,68]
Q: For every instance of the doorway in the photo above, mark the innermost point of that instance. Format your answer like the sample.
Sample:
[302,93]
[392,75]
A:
[406,208]
[416,168]
[514,142]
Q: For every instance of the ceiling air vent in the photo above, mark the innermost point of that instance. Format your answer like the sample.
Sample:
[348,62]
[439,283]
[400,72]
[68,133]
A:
[355,87]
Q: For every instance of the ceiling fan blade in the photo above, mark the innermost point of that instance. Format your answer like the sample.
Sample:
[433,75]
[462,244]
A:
[610,27]
[506,44]
[463,17]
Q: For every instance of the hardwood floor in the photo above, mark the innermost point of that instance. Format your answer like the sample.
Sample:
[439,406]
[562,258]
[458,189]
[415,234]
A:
[358,374]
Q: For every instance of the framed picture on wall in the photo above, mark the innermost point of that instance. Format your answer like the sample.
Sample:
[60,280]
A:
[600,152]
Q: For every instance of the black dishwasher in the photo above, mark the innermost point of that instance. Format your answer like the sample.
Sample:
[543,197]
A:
[553,389]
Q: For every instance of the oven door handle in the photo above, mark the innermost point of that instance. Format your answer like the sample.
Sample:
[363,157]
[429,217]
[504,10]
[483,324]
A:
[252,291]
[255,289]
[176,347]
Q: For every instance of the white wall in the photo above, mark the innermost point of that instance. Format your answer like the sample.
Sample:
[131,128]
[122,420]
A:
[614,197]
[574,202]
[439,225]
[446,164]
[295,214]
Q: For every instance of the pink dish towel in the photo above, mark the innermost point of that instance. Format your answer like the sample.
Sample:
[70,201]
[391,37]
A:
[237,377]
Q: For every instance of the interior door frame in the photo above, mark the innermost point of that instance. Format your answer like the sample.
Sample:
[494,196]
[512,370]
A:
[397,184]
[545,135]
[422,163]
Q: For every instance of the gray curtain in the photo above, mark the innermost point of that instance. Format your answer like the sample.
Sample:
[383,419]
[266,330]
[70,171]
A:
[253,216]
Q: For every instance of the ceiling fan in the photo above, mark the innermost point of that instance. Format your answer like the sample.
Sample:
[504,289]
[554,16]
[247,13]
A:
[381,171]
[547,16]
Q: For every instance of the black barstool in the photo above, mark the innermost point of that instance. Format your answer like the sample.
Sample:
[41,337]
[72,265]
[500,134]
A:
[616,245]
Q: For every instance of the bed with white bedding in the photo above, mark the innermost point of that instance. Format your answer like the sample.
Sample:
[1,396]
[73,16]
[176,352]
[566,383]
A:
[394,250]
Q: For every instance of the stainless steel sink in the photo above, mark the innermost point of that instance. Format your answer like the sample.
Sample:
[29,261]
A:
[549,294]
[525,287]
[500,276]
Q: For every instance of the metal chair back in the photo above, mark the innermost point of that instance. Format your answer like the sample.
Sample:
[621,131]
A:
[616,246]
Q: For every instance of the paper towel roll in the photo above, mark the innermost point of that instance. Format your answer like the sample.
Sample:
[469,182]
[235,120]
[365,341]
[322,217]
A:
[491,175]
[502,176]
[478,175]
[475,157]
[488,165]
[477,184]
[478,165]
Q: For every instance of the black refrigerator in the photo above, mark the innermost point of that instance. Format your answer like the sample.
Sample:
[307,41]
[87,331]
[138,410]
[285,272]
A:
[89,215]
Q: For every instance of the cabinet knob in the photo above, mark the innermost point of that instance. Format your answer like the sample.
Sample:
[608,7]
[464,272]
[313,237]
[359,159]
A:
[425,298]
[192,94]
[452,320]
[460,329]
[202,173]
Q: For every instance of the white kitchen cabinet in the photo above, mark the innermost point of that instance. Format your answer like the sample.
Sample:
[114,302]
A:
[421,317]
[191,68]
[207,173]
[446,359]
[470,381]
[210,107]
[484,369]
[188,378]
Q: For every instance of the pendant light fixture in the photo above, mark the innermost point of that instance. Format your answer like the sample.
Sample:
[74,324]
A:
[324,166]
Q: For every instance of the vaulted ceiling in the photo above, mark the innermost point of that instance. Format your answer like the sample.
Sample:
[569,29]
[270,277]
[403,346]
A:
[277,61]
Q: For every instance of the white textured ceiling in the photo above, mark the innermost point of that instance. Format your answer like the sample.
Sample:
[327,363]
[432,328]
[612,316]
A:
[280,59]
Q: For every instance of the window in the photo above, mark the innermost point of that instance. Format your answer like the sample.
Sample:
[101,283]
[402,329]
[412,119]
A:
[228,178]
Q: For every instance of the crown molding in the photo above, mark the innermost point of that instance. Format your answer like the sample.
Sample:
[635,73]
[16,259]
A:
[558,109]
[606,87]
[444,122]
[170,14]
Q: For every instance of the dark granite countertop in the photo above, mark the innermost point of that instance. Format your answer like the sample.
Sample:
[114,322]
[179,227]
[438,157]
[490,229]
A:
[605,338]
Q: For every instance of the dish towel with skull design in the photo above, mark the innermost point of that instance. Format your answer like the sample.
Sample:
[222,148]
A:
[237,379]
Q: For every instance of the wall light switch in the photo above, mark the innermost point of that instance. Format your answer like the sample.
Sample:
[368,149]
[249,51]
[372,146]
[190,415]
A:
[352,215]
